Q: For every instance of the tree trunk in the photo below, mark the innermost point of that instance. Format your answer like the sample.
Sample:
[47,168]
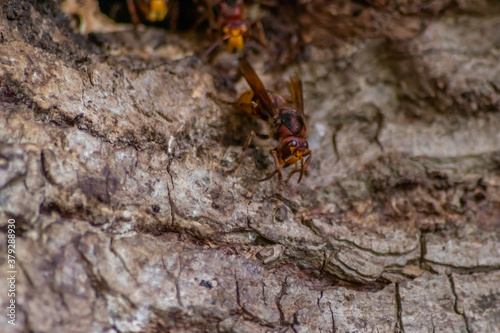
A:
[114,149]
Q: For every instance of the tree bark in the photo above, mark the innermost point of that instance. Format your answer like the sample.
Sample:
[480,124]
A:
[114,149]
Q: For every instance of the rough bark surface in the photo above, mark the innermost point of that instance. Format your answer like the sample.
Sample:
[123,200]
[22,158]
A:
[113,155]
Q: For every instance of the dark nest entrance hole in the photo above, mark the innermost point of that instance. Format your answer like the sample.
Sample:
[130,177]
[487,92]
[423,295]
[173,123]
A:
[182,14]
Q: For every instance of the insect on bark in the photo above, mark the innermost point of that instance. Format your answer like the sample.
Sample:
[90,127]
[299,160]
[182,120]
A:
[151,10]
[286,120]
[234,28]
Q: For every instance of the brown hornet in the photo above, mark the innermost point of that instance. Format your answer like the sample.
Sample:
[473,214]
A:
[285,118]
[233,26]
[151,10]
